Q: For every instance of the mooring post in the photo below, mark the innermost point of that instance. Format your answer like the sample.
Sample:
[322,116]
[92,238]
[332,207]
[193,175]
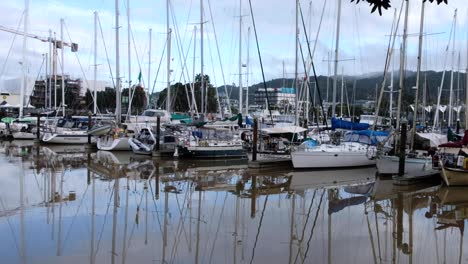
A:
[38,128]
[401,164]
[255,139]
[306,129]
[158,132]
[89,128]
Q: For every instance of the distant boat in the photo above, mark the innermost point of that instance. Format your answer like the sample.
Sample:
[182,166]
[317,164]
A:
[143,143]
[67,131]
[454,175]
[357,150]
[212,142]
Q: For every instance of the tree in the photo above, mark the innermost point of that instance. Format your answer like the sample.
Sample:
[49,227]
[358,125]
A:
[385,4]
[139,98]
[179,97]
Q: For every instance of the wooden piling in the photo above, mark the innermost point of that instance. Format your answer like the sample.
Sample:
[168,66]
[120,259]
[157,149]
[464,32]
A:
[38,128]
[401,164]
[306,127]
[255,139]
[89,128]
[158,132]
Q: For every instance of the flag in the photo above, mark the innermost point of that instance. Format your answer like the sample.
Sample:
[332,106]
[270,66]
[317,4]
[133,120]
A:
[139,78]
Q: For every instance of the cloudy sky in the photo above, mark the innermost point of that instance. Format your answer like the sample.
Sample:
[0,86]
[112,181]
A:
[363,38]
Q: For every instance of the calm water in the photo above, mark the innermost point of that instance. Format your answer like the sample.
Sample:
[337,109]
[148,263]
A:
[61,205]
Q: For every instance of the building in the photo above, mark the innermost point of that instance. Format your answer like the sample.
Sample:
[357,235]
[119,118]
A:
[41,97]
[279,97]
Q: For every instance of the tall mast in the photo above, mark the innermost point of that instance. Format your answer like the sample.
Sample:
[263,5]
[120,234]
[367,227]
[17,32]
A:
[55,71]
[450,106]
[51,51]
[342,92]
[129,54]
[149,67]
[418,74]
[240,57]
[168,97]
[436,116]
[95,63]
[337,46]
[118,109]
[46,58]
[402,65]
[390,105]
[194,101]
[247,74]
[24,62]
[62,68]
[202,81]
[296,81]
[466,89]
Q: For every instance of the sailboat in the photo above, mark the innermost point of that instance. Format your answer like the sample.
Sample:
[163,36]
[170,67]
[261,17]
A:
[456,173]
[118,138]
[67,131]
[415,165]
[356,150]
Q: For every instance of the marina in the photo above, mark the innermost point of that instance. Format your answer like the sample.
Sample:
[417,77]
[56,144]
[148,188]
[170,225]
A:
[320,146]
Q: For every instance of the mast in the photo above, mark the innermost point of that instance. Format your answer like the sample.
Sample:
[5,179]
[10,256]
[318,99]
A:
[168,97]
[129,54]
[342,92]
[390,105]
[337,45]
[402,65]
[55,71]
[436,116]
[418,74]
[118,102]
[247,74]
[50,68]
[240,57]
[450,106]
[202,81]
[466,89]
[458,88]
[95,63]
[62,68]
[24,58]
[194,101]
[296,81]
[149,66]
[46,58]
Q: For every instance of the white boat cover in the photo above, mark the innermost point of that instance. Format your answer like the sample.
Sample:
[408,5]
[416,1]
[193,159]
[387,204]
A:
[284,130]
[434,138]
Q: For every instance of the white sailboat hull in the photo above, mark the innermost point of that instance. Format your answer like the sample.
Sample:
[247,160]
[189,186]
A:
[113,144]
[329,156]
[66,138]
[23,135]
[388,165]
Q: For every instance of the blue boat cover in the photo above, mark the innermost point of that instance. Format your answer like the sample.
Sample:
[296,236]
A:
[339,123]
[248,121]
[369,137]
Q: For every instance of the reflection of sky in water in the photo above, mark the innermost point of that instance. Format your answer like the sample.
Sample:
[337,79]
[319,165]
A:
[357,234]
